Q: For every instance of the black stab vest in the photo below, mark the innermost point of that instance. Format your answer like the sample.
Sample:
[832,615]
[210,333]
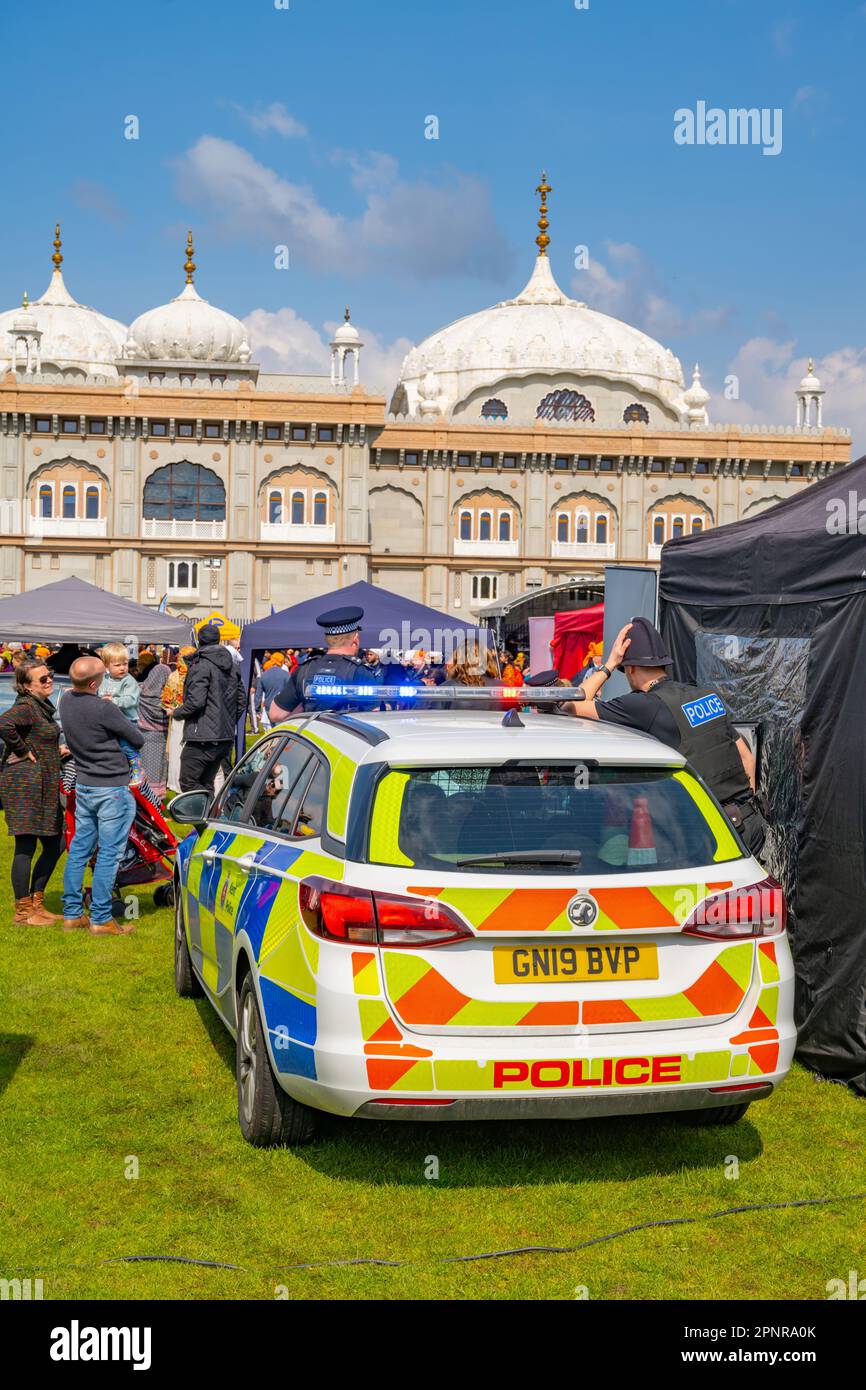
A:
[702,723]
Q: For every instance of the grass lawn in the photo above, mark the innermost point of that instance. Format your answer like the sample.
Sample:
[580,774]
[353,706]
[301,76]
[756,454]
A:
[101,1063]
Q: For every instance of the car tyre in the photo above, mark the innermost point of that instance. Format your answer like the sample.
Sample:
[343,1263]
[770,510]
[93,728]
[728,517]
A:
[186,981]
[717,1115]
[163,895]
[267,1116]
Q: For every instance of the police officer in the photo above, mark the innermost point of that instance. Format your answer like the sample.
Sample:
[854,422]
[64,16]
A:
[341,665]
[546,680]
[693,719]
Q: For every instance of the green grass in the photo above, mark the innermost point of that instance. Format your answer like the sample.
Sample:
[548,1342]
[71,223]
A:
[101,1061]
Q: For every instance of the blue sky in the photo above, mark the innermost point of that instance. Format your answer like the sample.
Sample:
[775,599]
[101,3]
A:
[305,126]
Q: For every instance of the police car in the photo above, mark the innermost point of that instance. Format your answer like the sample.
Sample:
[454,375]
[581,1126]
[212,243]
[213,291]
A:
[425,915]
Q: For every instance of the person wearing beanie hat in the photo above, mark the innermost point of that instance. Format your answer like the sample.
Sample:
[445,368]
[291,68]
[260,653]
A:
[692,719]
[213,701]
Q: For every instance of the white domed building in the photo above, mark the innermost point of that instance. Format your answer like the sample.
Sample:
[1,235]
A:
[543,356]
[59,339]
[180,343]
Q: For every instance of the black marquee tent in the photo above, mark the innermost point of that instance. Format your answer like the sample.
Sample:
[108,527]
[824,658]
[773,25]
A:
[772,611]
[71,610]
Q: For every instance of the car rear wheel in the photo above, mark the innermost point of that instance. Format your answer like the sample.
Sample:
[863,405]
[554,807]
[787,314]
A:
[718,1115]
[185,979]
[267,1116]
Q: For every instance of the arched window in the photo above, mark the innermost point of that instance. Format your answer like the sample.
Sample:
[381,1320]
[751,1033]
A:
[69,502]
[183,575]
[466,526]
[91,504]
[601,530]
[494,410]
[46,500]
[485,526]
[565,405]
[171,574]
[582,532]
[275,508]
[636,414]
[297,509]
[697,524]
[505,526]
[562,528]
[658,530]
[678,527]
[320,509]
[184,492]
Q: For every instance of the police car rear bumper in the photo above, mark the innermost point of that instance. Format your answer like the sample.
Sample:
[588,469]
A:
[534,1107]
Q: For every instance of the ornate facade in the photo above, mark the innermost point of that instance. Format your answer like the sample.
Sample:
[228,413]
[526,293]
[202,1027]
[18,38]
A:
[525,445]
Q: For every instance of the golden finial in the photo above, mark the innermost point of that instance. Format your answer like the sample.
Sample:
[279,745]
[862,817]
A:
[57,258]
[811,366]
[25,303]
[189,263]
[346,315]
[542,241]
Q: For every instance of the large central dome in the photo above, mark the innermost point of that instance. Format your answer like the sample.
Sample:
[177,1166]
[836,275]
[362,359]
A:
[540,333]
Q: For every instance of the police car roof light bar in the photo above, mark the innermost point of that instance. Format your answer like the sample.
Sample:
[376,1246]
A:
[443,695]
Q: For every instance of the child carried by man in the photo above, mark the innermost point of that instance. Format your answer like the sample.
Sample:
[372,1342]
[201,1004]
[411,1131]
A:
[123,690]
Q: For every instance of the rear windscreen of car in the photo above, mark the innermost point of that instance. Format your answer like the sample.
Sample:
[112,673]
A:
[598,819]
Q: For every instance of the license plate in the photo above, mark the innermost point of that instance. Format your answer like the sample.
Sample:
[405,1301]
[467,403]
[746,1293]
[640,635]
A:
[557,965]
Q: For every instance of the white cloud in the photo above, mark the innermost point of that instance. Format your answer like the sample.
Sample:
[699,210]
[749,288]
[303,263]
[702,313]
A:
[783,36]
[273,117]
[769,373]
[803,96]
[428,230]
[630,291]
[281,341]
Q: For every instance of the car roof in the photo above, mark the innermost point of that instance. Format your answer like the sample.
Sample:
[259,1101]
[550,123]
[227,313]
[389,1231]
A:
[472,736]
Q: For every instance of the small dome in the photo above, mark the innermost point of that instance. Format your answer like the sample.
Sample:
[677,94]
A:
[697,395]
[74,337]
[810,382]
[188,329]
[347,333]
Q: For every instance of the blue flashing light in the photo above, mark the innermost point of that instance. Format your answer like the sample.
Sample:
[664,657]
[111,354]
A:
[408,692]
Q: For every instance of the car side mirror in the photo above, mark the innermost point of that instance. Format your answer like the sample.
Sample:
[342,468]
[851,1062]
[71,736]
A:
[190,808]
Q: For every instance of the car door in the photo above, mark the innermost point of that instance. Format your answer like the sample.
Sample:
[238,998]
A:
[287,954]
[223,860]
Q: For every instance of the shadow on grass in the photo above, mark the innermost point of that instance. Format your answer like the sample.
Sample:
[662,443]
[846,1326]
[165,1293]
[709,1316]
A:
[502,1153]
[13,1049]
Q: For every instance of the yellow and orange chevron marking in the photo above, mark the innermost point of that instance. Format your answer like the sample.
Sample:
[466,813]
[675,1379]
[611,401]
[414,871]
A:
[421,996]
[524,910]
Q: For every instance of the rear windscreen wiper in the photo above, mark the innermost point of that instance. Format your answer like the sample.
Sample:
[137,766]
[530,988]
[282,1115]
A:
[522,856]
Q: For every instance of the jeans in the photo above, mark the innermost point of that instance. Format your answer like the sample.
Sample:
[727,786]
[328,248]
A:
[103,816]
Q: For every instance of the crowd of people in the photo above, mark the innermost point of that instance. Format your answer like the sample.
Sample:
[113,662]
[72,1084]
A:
[164,720]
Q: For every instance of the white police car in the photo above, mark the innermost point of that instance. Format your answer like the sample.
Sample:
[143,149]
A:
[419,915]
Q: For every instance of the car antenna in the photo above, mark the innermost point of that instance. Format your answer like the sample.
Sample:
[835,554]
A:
[512,720]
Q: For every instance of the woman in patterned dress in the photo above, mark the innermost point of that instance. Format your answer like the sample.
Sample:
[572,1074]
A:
[153,722]
[30,790]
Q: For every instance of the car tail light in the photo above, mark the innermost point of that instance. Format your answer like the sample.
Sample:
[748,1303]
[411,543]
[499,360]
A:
[416,922]
[337,913]
[759,910]
[341,913]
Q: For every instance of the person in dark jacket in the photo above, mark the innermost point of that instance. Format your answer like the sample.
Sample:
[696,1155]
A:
[213,702]
[30,790]
[94,729]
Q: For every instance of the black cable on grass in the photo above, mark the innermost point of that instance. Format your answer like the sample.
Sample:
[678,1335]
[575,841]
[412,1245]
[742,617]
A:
[499,1254]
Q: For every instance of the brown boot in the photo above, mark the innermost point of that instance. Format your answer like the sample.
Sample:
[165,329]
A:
[110,928]
[26,914]
[49,918]
[70,923]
